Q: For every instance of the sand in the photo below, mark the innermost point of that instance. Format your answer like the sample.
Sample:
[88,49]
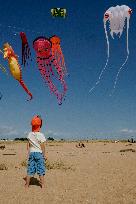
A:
[96,174]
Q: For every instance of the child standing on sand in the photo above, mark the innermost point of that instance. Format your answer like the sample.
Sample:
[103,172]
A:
[36,151]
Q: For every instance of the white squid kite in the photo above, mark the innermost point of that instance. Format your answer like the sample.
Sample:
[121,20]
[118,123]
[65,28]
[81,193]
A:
[116,16]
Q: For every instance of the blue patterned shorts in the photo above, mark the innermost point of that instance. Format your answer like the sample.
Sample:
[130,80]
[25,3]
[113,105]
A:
[36,164]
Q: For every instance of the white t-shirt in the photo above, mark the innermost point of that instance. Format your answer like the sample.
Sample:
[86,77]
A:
[35,139]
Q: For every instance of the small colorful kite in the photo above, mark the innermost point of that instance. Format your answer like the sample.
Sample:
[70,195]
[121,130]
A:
[58,12]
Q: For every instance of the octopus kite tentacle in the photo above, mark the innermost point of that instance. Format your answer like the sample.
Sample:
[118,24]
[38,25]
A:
[26,53]
[45,73]
[60,73]
[14,66]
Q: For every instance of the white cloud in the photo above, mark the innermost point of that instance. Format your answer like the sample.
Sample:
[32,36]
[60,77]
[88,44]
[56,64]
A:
[128,131]
[50,133]
[6,131]
[57,135]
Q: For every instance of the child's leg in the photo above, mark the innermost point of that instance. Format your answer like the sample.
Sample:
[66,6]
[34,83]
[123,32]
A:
[41,181]
[31,168]
[27,181]
[41,168]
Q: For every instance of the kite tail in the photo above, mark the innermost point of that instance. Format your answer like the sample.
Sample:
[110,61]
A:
[117,76]
[99,79]
[108,54]
[26,89]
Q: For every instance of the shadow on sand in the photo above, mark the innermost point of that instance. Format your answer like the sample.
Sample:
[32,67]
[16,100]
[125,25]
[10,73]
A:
[33,181]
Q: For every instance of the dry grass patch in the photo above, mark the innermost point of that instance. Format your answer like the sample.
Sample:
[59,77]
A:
[128,144]
[3,167]
[106,152]
[127,150]
[57,165]
[52,165]
[24,163]
[53,144]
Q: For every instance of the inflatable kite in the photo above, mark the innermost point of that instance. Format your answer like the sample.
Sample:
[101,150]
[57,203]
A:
[46,63]
[116,16]
[14,66]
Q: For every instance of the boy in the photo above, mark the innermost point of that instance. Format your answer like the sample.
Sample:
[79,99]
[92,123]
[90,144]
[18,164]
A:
[36,151]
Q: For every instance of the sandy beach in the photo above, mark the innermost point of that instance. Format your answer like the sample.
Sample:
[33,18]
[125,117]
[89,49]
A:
[100,173]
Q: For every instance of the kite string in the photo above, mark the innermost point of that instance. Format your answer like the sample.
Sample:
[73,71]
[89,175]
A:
[1,51]
[1,67]
[19,28]
[108,48]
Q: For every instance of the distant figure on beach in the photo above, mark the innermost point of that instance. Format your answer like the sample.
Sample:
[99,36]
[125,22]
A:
[2,147]
[80,145]
[36,151]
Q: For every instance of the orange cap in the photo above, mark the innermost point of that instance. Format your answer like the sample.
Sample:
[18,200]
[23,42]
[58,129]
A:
[36,123]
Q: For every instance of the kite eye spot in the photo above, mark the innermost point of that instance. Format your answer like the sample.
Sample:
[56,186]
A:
[130,11]
[106,15]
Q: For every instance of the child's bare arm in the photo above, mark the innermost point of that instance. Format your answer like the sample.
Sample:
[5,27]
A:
[43,148]
[28,148]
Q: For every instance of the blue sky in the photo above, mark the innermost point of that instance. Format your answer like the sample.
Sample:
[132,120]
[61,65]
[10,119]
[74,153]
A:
[82,115]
